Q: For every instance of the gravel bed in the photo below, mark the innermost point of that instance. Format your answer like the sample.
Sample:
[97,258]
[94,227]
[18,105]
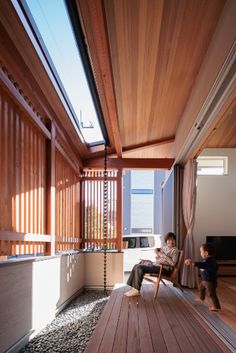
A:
[71,330]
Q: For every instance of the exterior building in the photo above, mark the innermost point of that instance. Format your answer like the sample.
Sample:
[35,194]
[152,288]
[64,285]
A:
[142,206]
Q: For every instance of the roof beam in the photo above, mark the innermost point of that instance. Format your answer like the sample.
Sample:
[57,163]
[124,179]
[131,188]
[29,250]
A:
[130,163]
[150,144]
[92,16]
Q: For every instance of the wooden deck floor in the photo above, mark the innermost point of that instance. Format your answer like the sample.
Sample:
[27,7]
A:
[141,325]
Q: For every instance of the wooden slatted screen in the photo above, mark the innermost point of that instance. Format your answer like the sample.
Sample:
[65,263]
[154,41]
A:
[92,215]
[23,188]
[67,206]
[22,178]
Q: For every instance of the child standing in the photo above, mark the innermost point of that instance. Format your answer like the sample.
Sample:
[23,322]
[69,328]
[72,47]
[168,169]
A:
[208,267]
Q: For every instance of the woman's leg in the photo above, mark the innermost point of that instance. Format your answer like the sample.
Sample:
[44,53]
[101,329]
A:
[136,277]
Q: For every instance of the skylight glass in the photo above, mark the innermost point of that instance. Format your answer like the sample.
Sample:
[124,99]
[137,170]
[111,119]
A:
[54,25]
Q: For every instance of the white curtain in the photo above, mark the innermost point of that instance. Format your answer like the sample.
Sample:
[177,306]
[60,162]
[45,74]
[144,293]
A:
[189,277]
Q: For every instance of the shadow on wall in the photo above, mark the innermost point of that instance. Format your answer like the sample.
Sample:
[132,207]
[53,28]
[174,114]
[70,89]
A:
[16,302]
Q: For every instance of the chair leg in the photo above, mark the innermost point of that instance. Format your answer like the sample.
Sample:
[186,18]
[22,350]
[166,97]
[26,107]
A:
[156,288]
[177,285]
[157,283]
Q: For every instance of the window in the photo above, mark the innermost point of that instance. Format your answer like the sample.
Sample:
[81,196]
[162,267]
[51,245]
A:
[131,242]
[52,27]
[142,191]
[212,165]
[144,243]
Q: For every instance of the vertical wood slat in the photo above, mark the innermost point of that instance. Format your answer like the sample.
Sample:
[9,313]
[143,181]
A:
[23,177]
[16,163]
[93,209]
[1,171]
[51,193]
[67,205]
[119,211]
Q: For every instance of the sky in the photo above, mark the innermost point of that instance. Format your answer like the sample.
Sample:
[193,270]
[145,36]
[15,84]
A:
[54,26]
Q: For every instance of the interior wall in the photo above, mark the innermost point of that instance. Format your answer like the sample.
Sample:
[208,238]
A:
[216,200]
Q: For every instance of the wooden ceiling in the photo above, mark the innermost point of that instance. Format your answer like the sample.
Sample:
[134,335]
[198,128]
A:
[155,64]
[148,54]
[224,133]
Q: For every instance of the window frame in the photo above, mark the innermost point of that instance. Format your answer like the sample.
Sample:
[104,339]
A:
[212,158]
[83,52]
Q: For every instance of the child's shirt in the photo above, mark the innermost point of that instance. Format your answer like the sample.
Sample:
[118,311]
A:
[209,268]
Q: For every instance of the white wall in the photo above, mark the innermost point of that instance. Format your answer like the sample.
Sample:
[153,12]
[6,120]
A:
[33,291]
[216,200]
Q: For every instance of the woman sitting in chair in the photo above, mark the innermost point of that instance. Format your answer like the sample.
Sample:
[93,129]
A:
[166,256]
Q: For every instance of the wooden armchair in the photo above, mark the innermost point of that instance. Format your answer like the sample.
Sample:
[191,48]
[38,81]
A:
[156,278]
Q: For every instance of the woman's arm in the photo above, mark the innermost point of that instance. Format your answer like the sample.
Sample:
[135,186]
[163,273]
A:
[170,259]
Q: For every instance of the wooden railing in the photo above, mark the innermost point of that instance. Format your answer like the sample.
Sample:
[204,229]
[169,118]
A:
[93,203]
[67,206]
[36,190]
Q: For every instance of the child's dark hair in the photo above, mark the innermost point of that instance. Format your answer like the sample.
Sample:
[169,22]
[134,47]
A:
[209,247]
[170,235]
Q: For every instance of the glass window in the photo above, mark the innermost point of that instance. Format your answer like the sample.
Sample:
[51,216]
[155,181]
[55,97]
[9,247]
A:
[144,243]
[55,31]
[212,165]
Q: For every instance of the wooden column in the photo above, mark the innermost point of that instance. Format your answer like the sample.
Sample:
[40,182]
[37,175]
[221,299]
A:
[81,213]
[51,190]
[119,210]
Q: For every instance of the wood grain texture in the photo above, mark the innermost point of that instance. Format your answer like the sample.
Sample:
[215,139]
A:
[155,61]
[140,324]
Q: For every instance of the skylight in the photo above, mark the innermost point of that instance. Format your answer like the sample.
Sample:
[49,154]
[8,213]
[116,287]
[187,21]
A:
[53,24]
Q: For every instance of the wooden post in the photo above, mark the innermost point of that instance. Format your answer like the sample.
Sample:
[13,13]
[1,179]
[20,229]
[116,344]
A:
[119,210]
[81,213]
[51,191]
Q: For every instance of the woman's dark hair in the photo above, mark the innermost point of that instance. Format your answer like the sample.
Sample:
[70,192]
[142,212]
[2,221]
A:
[209,247]
[170,235]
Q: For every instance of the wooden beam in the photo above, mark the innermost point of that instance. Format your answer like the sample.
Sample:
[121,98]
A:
[149,144]
[67,144]
[11,89]
[220,117]
[130,163]
[64,154]
[94,26]
[17,236]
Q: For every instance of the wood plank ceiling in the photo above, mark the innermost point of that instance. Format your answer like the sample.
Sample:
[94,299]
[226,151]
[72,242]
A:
[155,50]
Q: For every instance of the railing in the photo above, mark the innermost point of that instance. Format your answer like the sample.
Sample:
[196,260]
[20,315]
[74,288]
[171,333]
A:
[25,214]
[92,206]
[67,206]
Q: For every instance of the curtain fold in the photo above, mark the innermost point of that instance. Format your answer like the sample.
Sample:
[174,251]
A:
[189,273]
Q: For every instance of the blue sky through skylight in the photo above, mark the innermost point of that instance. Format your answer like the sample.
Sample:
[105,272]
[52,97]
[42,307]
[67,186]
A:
[55,28]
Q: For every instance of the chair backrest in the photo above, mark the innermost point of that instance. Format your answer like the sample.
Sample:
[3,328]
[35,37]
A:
[177,266]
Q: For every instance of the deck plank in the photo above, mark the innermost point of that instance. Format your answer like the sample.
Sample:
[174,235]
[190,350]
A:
[96,339]
[112,323]
[158,341]
[169,324]
[196,335]
[213,336]
[168,335]
[146,345]
[133,344]
[120,341]
[192,328]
